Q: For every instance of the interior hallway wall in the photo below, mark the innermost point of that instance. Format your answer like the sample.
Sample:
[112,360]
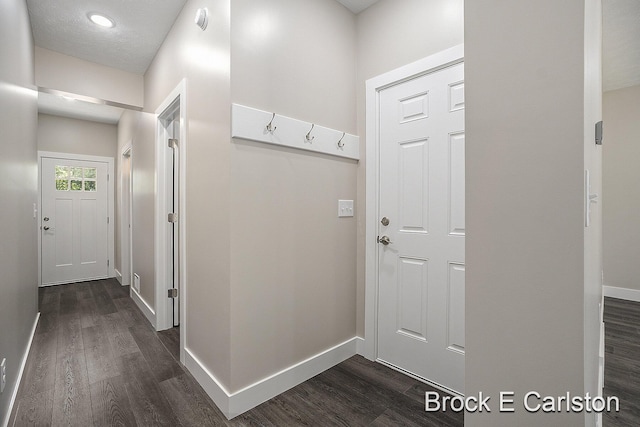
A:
[18,192]
[293,275]
[530,296]
[621,202]
[390,34]
[54,70]
[203,58]
[66,135]
[138,128]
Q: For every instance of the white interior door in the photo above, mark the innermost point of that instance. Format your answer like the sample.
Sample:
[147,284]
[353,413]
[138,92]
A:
[421,271]
[74,221]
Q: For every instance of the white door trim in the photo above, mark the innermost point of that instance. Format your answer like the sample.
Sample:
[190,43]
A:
[110,202]
[374,85]
[126,234]
[164,310]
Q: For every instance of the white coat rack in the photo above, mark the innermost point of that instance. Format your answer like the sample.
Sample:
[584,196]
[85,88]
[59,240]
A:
[271,128]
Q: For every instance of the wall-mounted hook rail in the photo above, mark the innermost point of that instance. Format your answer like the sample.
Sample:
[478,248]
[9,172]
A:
[270,128]
[258,125]
[309,137]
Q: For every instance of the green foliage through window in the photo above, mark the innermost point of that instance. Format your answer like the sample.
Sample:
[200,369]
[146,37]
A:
[76,178]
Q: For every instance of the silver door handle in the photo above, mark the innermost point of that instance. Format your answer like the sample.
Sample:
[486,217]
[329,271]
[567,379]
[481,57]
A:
[45,228]
[384,240]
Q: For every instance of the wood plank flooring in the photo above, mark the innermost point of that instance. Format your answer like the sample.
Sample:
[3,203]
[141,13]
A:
[96,361]
[622,361]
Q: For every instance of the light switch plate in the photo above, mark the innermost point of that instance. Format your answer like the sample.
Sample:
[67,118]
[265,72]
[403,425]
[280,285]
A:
[345,208]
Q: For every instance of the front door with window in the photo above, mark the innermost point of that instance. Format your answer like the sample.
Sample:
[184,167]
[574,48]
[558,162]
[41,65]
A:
[74,221]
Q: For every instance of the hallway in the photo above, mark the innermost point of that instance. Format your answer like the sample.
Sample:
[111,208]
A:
[95,360]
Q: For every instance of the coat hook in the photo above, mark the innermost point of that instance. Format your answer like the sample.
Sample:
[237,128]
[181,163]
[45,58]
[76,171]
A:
[309,137]
[270,127]
[340,143]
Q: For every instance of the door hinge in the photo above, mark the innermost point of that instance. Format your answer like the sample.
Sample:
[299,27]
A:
[171,142]
[173,293]
[108,177]
[172,217]
[108,220]
[108,262]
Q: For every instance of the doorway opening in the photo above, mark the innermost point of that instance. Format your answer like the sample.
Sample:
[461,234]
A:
[170,255]
[126,215]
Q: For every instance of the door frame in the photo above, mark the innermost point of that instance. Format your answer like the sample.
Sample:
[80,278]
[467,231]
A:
[374,86]
[164,310]
[126,233]
[110,203]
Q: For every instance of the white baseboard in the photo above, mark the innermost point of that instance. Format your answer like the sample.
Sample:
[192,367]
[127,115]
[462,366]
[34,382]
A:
[146,309]
[622,293]
[216,391]
[234,404]
[360,346]
[118,275]
[23,364]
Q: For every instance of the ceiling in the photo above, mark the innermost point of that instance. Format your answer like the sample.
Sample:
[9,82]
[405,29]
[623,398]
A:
[142,25]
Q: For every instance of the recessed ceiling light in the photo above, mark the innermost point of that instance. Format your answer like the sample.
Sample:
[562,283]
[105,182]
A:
[101,20]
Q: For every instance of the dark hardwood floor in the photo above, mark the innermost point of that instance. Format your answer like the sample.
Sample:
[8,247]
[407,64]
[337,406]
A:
[96,361]
[622,361]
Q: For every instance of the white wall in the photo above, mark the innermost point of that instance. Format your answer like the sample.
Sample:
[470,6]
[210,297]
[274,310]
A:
[390,34]
[138,128]
[66,135]
[593,245]
[621,202]
[293,275]
[529,294]
[203,58]
[18,192]
[57,71]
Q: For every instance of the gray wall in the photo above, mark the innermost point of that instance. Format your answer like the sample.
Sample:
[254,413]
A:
[138,128]
[293,275]
[203,58]
[18,191]
[532,300]
[57,71]
[65,135]
[621,188]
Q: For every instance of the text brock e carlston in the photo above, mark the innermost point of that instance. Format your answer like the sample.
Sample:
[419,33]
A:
[532,401]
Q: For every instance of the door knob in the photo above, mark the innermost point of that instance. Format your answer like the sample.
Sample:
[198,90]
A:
[46,228]
[384,240]
[46,218]
[385,221]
